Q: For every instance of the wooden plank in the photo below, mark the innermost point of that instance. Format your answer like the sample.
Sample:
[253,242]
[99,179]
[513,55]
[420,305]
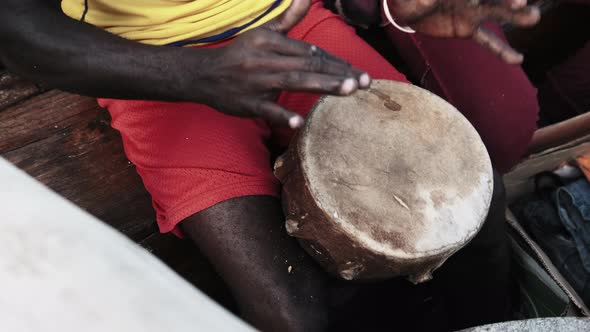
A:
[40,117]
[560,133]
[65,142]
[186,259]
[14,89]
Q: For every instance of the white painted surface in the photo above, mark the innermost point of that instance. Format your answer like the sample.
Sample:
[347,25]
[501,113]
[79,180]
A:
[63,270]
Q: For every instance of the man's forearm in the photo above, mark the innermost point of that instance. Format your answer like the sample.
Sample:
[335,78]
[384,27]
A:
[43,45]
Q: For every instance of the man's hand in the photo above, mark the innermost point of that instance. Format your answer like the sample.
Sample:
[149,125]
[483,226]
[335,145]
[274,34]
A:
[464,19]
[245,77]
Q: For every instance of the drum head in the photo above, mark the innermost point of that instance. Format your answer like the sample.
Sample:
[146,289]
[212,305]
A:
[397,169]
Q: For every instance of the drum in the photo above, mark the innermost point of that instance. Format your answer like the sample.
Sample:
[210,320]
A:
[388,182]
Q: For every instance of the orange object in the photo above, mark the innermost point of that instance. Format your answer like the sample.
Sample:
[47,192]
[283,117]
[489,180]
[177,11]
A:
[584,164]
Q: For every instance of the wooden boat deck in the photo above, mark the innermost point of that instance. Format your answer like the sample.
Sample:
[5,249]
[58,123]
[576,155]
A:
[65,141]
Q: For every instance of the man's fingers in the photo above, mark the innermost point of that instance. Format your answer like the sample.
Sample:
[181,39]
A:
[287,20]
[308,63]
[284,45]
[288,46]
[302,56]
[310,82]
[524,17]
[276,114]
[497,46]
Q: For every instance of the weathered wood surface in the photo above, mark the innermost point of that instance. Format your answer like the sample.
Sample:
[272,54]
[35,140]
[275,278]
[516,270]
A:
[14,89]
[65,141]
[560,133]
[41,117]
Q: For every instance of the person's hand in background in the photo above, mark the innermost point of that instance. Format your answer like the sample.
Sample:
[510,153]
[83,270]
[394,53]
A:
[448,18]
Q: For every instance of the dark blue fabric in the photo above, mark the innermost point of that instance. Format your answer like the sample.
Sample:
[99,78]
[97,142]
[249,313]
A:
[573,205]
[539,215]
[229,33]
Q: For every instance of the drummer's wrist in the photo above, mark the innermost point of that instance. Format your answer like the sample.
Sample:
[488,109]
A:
[388,17]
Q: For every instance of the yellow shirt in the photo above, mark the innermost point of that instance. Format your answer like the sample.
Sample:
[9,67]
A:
[163,22]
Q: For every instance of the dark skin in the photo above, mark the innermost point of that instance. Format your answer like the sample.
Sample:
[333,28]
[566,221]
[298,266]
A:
[42,44]
[246,241]
[449,18]
[464,19]
[243,237]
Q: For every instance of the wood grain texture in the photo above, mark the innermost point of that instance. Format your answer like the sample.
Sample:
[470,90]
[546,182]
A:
[42,116]
[14,89]
[65,141]
[560,133]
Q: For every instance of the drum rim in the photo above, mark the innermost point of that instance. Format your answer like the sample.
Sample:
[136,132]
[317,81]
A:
[387,251]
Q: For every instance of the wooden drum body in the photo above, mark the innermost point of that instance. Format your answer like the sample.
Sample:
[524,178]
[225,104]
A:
[389,182]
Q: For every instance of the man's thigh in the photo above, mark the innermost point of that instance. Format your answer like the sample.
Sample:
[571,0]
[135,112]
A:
[192,157]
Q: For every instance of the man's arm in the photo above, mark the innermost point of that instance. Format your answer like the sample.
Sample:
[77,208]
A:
[448,18]
[42,44]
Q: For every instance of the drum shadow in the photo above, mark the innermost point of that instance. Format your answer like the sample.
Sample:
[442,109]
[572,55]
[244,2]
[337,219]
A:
[392,305]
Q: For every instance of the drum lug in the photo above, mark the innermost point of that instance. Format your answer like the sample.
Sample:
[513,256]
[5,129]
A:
[282,167]
[420,278]
[292,227]
[350,270]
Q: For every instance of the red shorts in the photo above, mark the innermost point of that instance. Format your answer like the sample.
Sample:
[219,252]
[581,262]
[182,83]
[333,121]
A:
[192,157]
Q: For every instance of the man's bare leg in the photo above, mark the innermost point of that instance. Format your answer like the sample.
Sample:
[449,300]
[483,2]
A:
[246,240]
[278,287]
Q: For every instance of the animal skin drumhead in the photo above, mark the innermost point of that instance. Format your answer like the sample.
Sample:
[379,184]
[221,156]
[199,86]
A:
[398,172]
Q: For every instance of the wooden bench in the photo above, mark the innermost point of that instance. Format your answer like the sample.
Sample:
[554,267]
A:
[65,141]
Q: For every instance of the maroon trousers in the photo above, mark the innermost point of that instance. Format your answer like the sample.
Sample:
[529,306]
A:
[497,98]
